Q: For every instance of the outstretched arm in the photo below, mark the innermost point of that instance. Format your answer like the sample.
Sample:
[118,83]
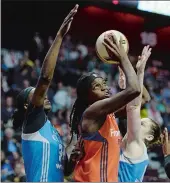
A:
[122,84]
[133,108]
[145,99]
[107,106]
[50,60]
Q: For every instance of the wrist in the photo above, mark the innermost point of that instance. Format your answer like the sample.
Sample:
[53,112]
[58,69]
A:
[131,107]
[140,73]
[59,35]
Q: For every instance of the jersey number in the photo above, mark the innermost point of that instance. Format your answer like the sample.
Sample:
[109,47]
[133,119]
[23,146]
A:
[61,152]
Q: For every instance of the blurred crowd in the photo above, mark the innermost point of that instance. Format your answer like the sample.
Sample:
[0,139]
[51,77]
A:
[20,69]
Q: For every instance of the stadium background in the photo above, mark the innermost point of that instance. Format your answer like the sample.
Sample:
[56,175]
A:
[28,29]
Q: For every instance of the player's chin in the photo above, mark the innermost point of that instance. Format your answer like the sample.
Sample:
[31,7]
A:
[104,97]
[48,107]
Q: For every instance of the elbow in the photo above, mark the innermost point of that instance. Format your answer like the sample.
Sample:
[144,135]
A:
[146,100]
[45,78]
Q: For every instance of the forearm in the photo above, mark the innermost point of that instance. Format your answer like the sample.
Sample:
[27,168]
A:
[131,77]
[50,60]
[137,101]
[133,113]
[122,111]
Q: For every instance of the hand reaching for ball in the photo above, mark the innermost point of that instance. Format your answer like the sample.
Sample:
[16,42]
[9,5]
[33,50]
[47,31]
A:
[113,47]
[140,66]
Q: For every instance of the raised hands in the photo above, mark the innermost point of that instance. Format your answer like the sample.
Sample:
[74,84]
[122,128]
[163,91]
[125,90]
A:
[140,66]
[67,22]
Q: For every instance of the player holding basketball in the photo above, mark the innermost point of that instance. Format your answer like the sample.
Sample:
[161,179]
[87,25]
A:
[92,118]
[42,147]
[141,133]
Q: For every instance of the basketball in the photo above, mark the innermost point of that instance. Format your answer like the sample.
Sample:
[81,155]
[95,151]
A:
[101,51]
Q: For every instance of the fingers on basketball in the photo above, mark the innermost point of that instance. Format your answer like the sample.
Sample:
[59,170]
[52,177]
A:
[111,45]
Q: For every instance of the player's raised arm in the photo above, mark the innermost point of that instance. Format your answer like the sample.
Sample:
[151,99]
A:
[133,108]
[122,84]
[50,60]
[107,106]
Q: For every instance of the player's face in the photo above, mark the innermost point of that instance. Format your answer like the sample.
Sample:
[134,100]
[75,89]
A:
[47,104]
[99,90]
[146,126]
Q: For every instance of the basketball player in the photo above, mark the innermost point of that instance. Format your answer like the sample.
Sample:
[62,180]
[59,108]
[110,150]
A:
[141,134]
[92,117]
[42,146]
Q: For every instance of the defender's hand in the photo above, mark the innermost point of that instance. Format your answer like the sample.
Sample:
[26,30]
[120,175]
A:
[67,22]
[140,66]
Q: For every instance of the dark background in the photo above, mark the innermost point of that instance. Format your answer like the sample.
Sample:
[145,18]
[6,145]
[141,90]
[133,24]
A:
[20,20]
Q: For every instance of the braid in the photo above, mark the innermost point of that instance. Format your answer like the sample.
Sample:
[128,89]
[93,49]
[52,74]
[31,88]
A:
[76,115]
[80,105]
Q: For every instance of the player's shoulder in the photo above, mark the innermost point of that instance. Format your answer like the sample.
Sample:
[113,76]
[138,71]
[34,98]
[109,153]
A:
[127,150]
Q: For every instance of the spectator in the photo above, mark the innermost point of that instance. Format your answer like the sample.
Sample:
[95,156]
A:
[8,109]
[83,49]
[18,175]
[10,59]
[154,114]
[26,83]
[9,145]
[6,168]
[73,54]
[61,98]
[166,93]
[37,67]
[50,41]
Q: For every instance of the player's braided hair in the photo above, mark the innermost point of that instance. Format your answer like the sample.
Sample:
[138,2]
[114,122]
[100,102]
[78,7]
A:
[81,103]
[76,115]
[19,114]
